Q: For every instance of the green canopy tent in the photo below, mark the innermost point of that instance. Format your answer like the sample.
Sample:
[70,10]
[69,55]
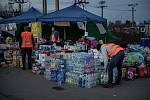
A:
[93,31]
[112,38]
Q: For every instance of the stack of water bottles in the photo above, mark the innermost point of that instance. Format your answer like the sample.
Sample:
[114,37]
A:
[56,70]
[79,62]
[52,67]
[81,70]
[80,47]
[49,47]
[37,67]
[83,80]
[75,47]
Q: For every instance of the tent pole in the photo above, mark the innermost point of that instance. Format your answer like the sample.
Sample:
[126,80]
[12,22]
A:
[85,35]
[105,37]
[64,33]
[85,26]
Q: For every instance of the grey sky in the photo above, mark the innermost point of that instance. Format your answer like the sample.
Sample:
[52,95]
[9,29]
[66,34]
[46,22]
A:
[116,10]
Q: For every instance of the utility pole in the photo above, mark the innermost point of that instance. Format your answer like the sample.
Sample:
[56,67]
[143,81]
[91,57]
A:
[81,2]
[11,4]
[44,7]
[102,6]
[57,5]
[21,2]
[133,10]
[11,7]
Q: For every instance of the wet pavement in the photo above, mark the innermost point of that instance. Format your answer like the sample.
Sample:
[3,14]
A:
[17,84]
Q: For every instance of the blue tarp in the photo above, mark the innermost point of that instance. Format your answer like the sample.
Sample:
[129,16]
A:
[72,14]
[29,16]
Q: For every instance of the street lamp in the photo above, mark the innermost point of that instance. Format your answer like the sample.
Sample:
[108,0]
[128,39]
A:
[102,6]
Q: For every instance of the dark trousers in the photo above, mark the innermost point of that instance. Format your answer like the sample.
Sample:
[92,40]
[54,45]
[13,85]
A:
[28,52]
[116,61]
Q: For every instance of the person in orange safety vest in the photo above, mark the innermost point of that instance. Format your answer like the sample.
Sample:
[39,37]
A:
[55,37]
[114,55]
[27,44]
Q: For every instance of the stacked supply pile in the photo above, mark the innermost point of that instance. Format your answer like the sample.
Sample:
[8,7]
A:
[41,62]
[49,64]
[75,47]
[99,61]
[130,65]
[49,48]
[56,69]
[136,62]
[133,59]
[79,62]
[57,75]
[12,55]
[17,58]
[83,80]
[8,55]
[81,70]
[144,50]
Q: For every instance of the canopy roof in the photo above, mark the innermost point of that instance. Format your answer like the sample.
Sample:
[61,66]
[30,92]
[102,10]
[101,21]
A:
[6,33]
[29,16]
[72,14]
[1,18]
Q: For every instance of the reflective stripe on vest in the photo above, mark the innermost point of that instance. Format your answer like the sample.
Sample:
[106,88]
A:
[26,40]
[113,49]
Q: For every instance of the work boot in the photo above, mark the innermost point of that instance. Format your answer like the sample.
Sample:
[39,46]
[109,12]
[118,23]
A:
[30,68]
[107,85]
[23,68]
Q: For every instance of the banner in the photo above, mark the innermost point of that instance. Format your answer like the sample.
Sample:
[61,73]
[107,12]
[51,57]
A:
[62,23]
[36,29]
[101,28]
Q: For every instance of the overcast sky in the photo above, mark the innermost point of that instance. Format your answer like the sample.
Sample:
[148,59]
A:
[116,10]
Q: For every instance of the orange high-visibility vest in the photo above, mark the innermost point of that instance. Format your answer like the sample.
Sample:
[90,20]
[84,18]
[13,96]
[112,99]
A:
[55,39]
[113,49]
[26,40]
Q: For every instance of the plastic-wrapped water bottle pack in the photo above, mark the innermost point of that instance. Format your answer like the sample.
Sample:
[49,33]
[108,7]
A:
[81,62]
[83,80]
[55,75]
[75,47]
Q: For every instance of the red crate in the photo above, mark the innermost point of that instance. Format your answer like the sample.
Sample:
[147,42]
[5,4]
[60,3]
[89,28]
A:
[143,72]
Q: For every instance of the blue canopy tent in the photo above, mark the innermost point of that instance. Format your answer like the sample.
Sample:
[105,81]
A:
[72,14]
[29,16]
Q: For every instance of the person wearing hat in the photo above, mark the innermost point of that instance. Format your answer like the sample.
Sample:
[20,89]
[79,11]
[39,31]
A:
[113,55]
[101,42]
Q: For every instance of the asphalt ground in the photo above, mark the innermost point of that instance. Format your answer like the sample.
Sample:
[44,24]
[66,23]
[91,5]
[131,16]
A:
[17,84]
